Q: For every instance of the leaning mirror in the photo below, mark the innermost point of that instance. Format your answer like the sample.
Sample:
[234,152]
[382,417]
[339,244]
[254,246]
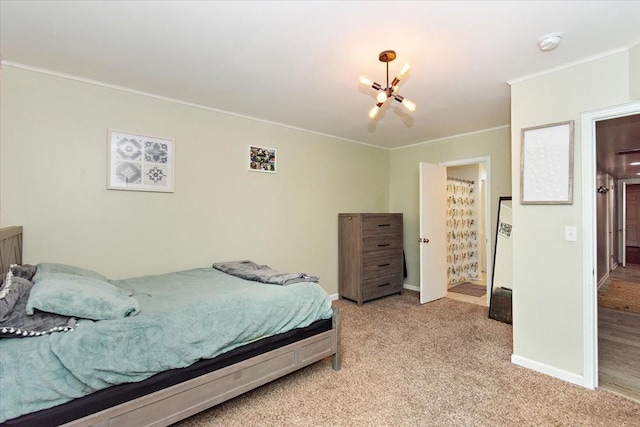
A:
[500,306]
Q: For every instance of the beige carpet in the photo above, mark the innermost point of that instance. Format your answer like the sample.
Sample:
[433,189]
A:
[621,295]
[440,364]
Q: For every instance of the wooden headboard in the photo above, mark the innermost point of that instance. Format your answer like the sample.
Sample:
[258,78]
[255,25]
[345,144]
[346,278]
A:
[10,247]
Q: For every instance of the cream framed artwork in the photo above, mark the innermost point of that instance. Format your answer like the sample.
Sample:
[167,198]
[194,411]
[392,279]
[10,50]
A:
[139,162]
[546,164]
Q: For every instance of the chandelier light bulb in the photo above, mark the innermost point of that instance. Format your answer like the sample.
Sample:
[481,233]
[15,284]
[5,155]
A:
[411,106]
[374,111]
[381,97]
[404,71]
[365,81]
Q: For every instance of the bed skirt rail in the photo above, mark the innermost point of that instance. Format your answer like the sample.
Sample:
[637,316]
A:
[180,401]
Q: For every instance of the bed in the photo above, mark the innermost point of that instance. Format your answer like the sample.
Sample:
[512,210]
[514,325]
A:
[177,381]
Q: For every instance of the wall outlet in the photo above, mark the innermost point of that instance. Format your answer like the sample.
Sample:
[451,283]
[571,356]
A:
[571,233]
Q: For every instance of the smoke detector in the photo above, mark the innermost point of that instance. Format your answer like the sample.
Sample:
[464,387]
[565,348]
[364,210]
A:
[549,42]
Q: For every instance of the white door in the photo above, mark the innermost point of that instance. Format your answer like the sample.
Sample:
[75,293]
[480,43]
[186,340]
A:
[624,224]
[611,224]
[433,231]
[608,223]
[632,221]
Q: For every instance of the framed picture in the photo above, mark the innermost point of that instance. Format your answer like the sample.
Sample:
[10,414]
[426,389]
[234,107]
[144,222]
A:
[546,164]
[504,229]
[262,159]
[139,162]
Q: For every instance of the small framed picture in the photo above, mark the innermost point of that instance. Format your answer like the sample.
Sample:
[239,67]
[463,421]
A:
[504,229]
[139,162]
[262,159]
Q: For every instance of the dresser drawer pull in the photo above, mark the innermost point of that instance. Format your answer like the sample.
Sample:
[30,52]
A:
[384,244]
[384,225]
[384,265]
[384,284]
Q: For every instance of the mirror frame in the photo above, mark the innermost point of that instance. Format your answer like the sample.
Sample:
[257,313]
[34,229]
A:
[495,252]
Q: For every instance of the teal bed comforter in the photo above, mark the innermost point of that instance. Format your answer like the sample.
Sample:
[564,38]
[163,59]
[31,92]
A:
[183,317]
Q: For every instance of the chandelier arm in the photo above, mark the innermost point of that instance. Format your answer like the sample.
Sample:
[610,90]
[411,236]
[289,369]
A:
[388,88]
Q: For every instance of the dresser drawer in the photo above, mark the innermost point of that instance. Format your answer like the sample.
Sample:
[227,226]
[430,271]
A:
[371,245]
[381,225]
[388,262]
[381,286]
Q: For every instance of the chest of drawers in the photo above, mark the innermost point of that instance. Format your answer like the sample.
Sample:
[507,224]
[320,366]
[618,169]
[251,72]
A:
[370,255]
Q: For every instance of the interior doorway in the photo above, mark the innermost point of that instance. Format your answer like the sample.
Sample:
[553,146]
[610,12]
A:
[618,298]
[479,170]
[596,163]
[466,233]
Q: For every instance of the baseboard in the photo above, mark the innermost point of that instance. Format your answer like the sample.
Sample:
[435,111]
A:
[549,370]
[334,297]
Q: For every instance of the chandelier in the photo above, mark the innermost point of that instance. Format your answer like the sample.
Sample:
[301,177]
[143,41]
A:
[390,91]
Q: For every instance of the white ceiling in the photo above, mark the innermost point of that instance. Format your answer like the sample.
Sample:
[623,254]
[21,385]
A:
[298,63]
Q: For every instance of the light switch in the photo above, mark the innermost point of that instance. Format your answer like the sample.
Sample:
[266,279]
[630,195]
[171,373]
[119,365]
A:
[571,233]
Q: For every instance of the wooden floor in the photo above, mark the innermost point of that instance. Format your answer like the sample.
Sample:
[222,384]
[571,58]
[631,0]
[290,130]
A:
[619,342]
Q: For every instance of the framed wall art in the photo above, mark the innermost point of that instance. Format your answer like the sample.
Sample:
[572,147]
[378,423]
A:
[546,164]
[262,159]
[504,229]
[139,162]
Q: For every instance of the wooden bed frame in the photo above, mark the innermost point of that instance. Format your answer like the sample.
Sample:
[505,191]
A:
[10,247]
[182,400]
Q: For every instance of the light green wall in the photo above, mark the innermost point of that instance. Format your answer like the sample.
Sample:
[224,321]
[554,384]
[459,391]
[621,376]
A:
[634,71]
[404,177]
[548,295]
[53,182]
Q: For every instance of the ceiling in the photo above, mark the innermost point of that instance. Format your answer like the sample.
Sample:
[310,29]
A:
[298,63]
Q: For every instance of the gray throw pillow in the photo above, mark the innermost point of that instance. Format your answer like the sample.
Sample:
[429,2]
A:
[14,321]
[26,271]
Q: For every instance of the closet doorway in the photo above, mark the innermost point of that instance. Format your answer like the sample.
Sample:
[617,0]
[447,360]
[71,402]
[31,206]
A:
[469,217]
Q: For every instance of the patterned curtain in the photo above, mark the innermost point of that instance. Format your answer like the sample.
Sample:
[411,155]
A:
[462,243]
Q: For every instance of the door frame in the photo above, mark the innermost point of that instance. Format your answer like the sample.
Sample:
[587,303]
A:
[609,223]
[622,217]
[589,247]
[486,160]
